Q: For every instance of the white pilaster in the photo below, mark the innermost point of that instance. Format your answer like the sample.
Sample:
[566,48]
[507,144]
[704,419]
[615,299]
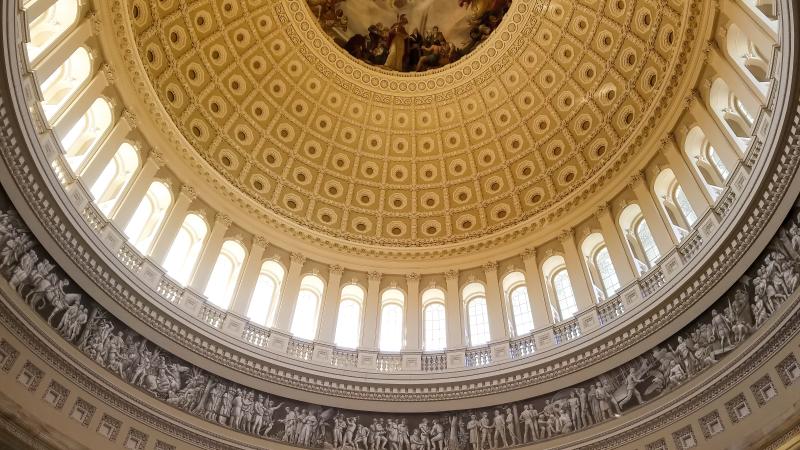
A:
[369,330]
[250,273]
[123,212]
[413,310]
[662,233]
[498,325]
[581,283]
[172,224]
[330,305]
[288,299]
[454,311]
[210,253]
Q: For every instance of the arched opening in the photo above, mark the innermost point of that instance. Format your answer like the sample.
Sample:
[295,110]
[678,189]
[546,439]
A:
[747,56]
[605,282]
[149,216]
[87,132]
[434,319]
[731,111]
[65,82]
[675,203]
[265,295]
[391,335]
[559,286]
[706,161]
[516,295]
[348,321]
[49,26]
[639,238]
[225,276]
[107,190]
[306,310]
[185,248]
[477,312]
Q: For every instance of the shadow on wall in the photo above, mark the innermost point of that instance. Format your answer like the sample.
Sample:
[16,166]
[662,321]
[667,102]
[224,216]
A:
[110,343]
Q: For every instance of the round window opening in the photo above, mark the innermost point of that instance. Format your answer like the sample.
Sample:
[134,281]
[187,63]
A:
[409,35]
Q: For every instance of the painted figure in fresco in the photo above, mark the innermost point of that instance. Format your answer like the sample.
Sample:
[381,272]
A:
[473,428]
[396,43]
[486,429]
[403,434]
[499,427]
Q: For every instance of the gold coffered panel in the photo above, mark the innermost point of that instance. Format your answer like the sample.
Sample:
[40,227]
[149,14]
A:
[544,107]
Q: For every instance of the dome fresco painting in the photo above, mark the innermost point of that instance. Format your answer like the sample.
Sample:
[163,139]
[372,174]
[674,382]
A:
[409,35]
[399,224]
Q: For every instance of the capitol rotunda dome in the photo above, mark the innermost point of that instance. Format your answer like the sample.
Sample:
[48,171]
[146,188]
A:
[399,224]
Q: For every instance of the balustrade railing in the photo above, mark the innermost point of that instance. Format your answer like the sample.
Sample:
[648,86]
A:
[609,310]
[168,289]
[478,357]
[346,359]
[130,257]
[522,347]
[210,315]
[434,362]
[567,331]
[388,363]
[652,281]
[255,335]
[300,349]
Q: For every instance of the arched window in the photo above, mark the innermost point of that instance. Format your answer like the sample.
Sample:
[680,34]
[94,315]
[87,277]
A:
[560,286]
[732,112]
[747,56]
[149,215]
[50,26]
[185,248]
[65,82]
[84,136]
[348,322]
[225,276]
[516,294]
[306,310]
[601,269]
[641,244]
[391,337]
[265,295]
[109,186]
[648,243]
[706,161]
[434,320]
[674,203]
[477,314]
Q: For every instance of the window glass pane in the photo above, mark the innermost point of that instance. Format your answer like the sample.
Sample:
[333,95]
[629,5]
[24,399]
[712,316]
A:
[564,294]
[348,324]
[185,249]
[683,204]
[50,25]
[391,328]
[261,301]
[717,161]
[647,242]
[222,282]
[109,186]
[146,221]
[304,322]
[607,273]
[478,321]
[435,331]
[521,307]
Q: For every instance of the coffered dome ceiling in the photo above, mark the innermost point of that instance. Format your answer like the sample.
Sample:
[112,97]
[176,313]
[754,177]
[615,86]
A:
[542,112]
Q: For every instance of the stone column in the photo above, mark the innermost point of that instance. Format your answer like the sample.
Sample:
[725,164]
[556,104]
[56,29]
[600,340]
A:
[540,307]
[623,265]
[210,253]
[288,299]
[498,325]
[249,278]
[172,225]
[696,190]
[413,310]
[371,322]
[662,232]
[581,283]
[123,212]
[330,306]
[454,311]
[95,164]
[79,105]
